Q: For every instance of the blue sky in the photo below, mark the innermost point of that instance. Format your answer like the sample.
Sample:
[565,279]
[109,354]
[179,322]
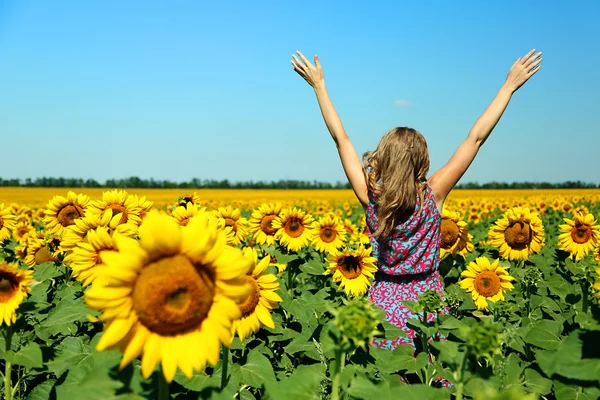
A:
[175,90]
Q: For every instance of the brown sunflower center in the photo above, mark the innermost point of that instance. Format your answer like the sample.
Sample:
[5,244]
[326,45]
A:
[294,227]
[349,266]
[449,233]
[42,255]
[249,305]
[184,221]
[119,209]
[232,223]
[1,223]
[265,225]
[581,233]
[68,214]
[172,296]
[518,235]
[9,283]
[487,284]
[22,231]
[327,234]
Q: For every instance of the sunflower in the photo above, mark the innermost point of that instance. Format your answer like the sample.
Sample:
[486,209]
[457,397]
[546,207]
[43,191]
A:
[260,223]
[329,234]
[579,235]
[63,211]
[183,201]
[7,222]
[182,214]
[596,285]
[13,289]
[293,228]
[171,297]
[518,234]
[144,205]
[234,222]
[256,308]
[352,269]
[39,252]
[455,237]
[351,229]
[485,281]
[120,204]
[84,259]
[21,231]
[597,252]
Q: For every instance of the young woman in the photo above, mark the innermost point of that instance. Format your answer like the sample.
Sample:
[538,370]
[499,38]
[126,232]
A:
[403,207]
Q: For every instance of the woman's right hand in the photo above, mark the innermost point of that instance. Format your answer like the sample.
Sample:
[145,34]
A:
[313,74]
[523,69]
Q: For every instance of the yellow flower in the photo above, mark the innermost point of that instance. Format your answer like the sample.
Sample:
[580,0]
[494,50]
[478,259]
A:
[144,205]
[455,237]
[351,229]
[38,252]
[7,222]
[352,269]
[13,289]
[127,206]
[579,235]
[485,281]
[22,230]
[63,211]
[234,222]
[260,224]
[256,308]
[293,228]
[182,214]
[329,234]
[518,234]
[171,297]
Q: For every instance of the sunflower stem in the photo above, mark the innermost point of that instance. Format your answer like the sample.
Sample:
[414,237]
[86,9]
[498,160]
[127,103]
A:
[163,386]
[461,377]
[8,390]
[584,294]
[424,338]
[225,361]
[337,372]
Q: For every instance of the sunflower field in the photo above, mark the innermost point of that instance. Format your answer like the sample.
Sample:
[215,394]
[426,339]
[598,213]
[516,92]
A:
[263,295]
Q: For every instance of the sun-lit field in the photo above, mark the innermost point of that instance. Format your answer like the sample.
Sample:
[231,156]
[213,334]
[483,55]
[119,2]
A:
[254,294]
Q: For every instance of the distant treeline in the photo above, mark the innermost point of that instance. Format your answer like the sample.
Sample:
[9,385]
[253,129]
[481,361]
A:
[137,183]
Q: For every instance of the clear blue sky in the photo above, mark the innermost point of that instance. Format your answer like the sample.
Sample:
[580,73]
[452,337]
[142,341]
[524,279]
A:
[182,89]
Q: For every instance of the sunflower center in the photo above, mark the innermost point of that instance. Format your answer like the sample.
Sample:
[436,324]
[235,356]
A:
[294,227]
[265,225]
[487,284]
[8,286]
[249,305]
[68,214]
[22,231]
[1,223]
[172,296]
[328,234]
[581,233]
[119,209]
[518,235]
[184,221]
[349,266]
[42,255]
[449,233]
[232,223]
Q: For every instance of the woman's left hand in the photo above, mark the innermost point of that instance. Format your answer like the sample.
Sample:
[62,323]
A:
[313,74]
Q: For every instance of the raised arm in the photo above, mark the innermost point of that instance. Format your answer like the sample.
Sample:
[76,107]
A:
[446,177]
[313,74]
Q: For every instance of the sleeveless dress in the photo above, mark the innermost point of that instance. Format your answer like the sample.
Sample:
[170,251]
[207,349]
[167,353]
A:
[408,263]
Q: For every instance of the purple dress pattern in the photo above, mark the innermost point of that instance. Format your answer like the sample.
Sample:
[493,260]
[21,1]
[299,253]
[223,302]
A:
[408,262]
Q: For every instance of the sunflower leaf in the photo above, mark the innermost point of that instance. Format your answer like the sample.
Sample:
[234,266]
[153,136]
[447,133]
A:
[29,356]
[82,383]
[545,334]
[536,382]
[69,353]
[66,312]
[313,267]
[43,391]
[257,370]
[303,384]
[45,271]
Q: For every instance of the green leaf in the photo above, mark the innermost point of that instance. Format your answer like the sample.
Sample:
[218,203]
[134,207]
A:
[198,381]
[449,352]
[303,384]
[566,360]
[313,267]
[93,385]
[570,392]
[47,270]
[29,356]
[42,391]
[545,334]
[257,370]
[536,382]
[362,388]
[70,352]
[67,312]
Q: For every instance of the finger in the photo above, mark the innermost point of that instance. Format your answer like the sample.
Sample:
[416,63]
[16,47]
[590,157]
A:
[515,63]
[299,70]
[317,62]
[526,56]
[300,63]
[533,71]
[304,58]
[532,59]
[534,64]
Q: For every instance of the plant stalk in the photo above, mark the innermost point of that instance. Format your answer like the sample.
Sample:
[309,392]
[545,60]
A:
[163,386]
[424,338]
[337,372]
[225,367]
[8,390]
[585,297]
[460,385]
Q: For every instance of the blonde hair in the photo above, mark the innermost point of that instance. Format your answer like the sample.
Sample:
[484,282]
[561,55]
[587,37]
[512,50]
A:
[395,172]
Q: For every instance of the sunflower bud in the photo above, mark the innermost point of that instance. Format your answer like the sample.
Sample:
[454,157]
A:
[431,301]
[532,276]
[484,340]
[356,322]
[454,299]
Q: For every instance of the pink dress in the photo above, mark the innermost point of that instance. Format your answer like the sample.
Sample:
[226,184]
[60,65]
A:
[408,263]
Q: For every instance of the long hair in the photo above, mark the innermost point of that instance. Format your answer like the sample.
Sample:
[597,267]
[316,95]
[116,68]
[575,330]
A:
[395,173]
